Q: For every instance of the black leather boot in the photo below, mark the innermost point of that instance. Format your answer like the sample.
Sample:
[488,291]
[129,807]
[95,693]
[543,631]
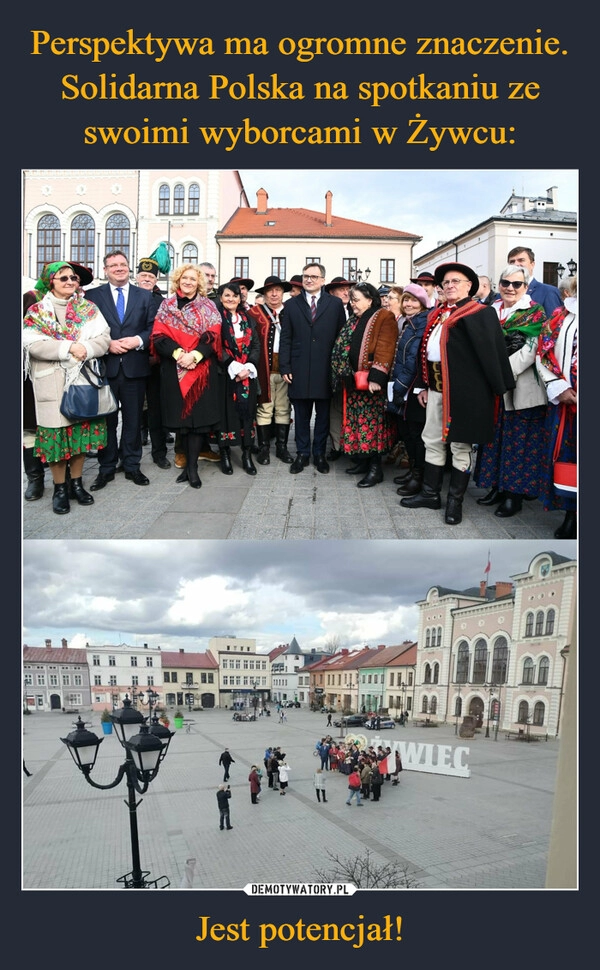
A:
[281,438]
[60,499]
[429,496]
[78,492]
[568,529]
[404,476]
[264,444]
[360,466]
[34,469]
[247,463]
[456,492]
[374,474]
[226,466]
[493,497]
[194,444]
[412,485]
[511,504]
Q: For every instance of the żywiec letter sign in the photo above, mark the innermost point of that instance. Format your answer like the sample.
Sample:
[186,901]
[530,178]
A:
[436,759]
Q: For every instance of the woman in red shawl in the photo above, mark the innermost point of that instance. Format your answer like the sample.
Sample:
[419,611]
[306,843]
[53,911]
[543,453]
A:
[187,338]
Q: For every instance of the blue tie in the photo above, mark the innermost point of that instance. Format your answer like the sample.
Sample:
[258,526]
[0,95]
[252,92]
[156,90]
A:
[120,304]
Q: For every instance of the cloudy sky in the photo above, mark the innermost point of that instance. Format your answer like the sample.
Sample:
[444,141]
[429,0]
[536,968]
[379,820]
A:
[437,205]
[178,595]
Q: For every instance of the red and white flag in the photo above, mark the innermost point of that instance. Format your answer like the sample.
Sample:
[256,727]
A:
[489,564]
[387,766]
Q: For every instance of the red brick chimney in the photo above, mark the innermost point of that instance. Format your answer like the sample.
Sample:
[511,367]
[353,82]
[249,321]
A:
[503,589]
[482,587]
[261,203]
[64,643]
[48,644]
[328,217]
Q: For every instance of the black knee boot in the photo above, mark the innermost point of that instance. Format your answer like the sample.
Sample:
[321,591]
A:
[511,504]
[194,443]
[226,466]
[429,496]
[281,438]
[456,491]
[412,484]
[264,444]
[34,469]
[247,463]
[374,473]
[568,529]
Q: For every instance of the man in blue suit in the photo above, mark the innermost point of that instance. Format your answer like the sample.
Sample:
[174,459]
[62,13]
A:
[129,311]
[542,293]
[310,324]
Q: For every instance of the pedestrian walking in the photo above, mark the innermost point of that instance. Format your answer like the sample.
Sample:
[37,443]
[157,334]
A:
[320,784]
[365,780]
[223,796]
[397,769]
[376,782]
[254,780]
[329,719]
[226,760]
[284,776]
[354,788]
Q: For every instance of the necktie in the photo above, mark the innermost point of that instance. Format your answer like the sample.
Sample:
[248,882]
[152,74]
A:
[313,307]
[120,304]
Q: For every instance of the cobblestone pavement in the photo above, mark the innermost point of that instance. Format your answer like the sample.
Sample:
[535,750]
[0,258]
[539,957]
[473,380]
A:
[490,831]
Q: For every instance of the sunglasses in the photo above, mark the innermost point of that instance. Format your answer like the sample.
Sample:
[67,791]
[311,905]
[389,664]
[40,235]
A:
[63,279]
[516,285]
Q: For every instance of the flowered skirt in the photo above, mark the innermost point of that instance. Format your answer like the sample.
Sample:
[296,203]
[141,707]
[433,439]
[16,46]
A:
[368,427]
[514,461]
[60,444]
[568,452]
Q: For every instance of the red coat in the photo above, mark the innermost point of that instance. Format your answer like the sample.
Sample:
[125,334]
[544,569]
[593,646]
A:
[254,782]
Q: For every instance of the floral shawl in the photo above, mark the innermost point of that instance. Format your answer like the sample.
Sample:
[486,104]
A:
[83,321]
[547,343]
[195,323]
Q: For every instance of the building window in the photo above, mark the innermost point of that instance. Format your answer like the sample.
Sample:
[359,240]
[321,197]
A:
[539,623]
[224,681]
[112,680]
[83,238]
[387,270]
[118,235]
[550,617]
[427,674]
[529,625]
[112,661]
[194,199]
[149,661]
[135,680]
[164,198]
[458,707]
[178,200]
[167,677]
[391,680]
[174,676]
[538,713]
[349,269]
[436,673]
[241,271]
[523,714]
[528,671]
[499,660]
[427,638]
[424,706]
[48,241]
[433,706]
[279,266]
[28,680]
[96,660]
[134,661]
[150,681]
[480,662]
[97,680]
[66,680]
[41,680]
[77,680]
[238,664]
[543,669]
[462,663]
[211,679]
[190,254]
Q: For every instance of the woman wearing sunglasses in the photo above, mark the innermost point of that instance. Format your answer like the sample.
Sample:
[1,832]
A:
[509,465]
[60,332]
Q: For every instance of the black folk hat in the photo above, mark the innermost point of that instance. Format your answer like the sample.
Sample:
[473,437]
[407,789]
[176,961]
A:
[85,275]
[296,280]
[274,281]
[423,278]
[242,282]
[337,281]
[440,272]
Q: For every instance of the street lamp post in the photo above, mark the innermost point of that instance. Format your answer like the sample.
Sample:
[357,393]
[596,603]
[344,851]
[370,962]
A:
[191,687]
[490,691]
[457,712]
[145,748]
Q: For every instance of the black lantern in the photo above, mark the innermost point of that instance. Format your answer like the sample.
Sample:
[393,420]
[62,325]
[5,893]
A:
[572,267]
[127,721]
[83,746]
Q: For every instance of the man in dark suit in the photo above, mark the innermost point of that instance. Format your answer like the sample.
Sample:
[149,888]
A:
[129,311]
[542,293]
[310,324]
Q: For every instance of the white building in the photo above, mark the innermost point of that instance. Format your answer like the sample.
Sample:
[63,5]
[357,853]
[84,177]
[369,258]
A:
[244,675]
[117,670]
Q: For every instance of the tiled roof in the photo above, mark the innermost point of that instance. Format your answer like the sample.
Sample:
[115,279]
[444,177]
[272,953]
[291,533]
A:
[189,660]
[55,655]
[303,224]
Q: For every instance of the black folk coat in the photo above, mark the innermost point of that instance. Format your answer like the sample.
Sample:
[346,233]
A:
[305,347]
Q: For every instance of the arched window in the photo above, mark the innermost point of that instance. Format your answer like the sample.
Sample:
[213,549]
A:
[523,715]
[194,199]
[499,660]
[550,617]
[164,198]
[427,673]
[458,706]
[462,663]
[528,671]
[538,713]
[48,241]
[118,235]
[529,625]
[190,253]
[539,623]
[83,238]
[436,673]
[424,706]
[439,640]
[433,706]
[543,669]
[427,638]
[178,200]
[480,662]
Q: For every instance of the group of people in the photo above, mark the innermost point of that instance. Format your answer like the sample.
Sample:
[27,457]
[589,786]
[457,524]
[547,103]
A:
[461,376]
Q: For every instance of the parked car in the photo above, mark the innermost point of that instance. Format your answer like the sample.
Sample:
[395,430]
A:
[384,722]
[351,720]
[291,704]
